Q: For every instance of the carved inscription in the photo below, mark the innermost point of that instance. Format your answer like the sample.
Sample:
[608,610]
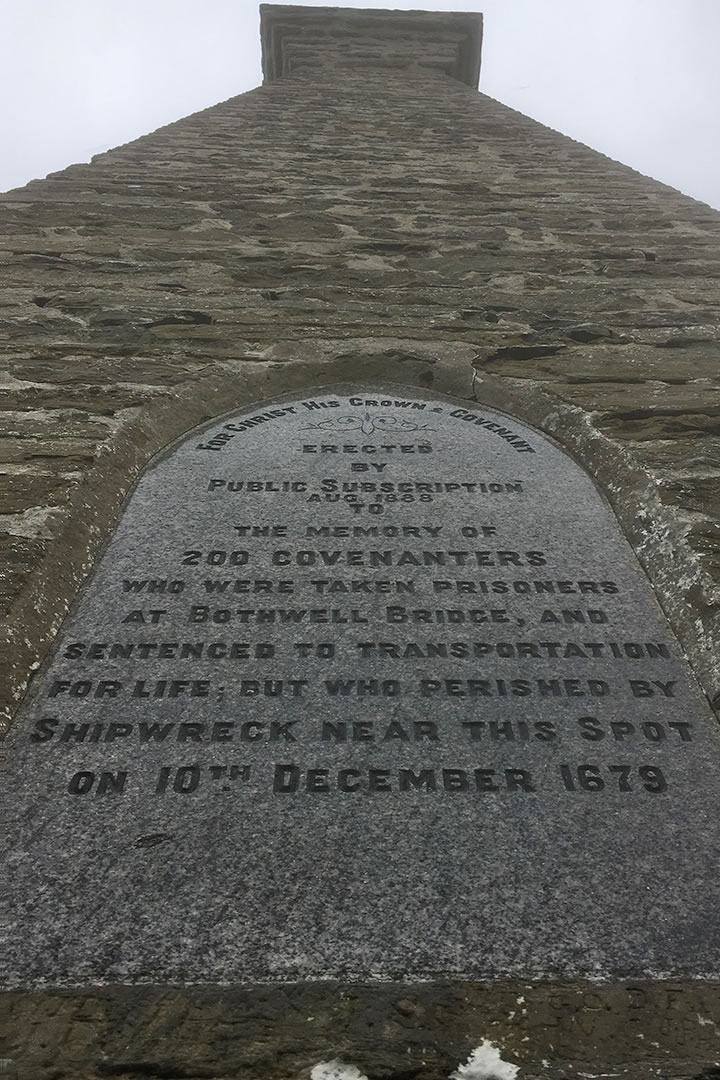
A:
[404,580]
[363,601]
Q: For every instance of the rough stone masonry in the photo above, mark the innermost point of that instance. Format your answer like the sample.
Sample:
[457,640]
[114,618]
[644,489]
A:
[364,215]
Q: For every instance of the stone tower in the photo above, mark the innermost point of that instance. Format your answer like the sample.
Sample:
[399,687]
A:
[365,217]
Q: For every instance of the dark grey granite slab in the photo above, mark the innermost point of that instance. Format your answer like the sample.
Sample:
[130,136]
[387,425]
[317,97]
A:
[364,687]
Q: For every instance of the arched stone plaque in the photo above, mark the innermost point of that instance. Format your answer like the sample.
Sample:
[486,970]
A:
[366,685]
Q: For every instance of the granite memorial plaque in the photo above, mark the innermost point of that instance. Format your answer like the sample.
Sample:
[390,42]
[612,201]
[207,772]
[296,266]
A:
[366,685]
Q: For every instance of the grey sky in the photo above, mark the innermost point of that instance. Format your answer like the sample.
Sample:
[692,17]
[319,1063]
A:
[636,79]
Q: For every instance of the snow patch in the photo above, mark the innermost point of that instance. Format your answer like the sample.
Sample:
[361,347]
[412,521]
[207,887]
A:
[335,1070]
[485,1063]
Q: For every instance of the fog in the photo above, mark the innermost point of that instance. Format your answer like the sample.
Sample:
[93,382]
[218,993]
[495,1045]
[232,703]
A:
[637,79]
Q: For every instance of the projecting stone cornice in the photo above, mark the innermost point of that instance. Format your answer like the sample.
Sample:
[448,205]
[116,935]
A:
[311,38]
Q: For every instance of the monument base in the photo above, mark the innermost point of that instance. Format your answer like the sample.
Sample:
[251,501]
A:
[421,1031]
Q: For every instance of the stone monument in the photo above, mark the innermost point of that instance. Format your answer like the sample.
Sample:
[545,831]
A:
[361,666]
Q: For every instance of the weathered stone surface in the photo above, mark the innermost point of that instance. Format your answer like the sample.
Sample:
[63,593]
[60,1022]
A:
[19,555]
[562,1031]
[25,487]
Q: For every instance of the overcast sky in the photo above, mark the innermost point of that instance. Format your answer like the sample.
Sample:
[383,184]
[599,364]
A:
[636,79]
